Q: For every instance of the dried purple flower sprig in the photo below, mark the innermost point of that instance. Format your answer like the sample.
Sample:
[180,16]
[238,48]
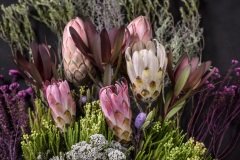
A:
[215,109]
[13,117]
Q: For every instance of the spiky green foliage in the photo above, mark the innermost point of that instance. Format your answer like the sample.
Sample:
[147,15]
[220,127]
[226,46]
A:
[15,26]
[166,142]
[55,14]
[72,135]
[104,13]
[44,134]
[93,122]
[188,36]
[180,38]
[45,137]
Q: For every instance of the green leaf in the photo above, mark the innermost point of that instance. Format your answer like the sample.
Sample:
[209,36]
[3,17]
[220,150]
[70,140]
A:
[118,44]
[151,115]
[174,110]
[168,100]
[145,125]
[181,81]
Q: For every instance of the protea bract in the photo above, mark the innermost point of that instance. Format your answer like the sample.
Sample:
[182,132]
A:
[61,103]
[146,66]
[140,29]
[76,65]
[115,104]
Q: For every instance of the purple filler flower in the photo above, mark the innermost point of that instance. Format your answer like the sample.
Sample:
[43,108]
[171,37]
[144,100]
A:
[234,61]
[140,119]
[29,91]
[14,72]
[14,86]
[21,94]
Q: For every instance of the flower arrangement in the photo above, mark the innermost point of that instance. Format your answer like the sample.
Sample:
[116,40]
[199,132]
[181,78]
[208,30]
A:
[115,89]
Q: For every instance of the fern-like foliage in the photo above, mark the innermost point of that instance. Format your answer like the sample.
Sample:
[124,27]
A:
[46,140]
[44,136]
[165,141]
[15,26]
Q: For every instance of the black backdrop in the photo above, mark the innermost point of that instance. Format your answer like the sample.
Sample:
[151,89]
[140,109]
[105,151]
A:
[221,23]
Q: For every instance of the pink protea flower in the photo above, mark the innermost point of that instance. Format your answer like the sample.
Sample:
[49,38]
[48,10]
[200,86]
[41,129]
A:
[140,29]
[61,103]
[75,63]
[114,101]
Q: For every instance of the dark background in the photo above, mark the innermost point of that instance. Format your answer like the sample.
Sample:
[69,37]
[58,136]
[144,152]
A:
[221,23]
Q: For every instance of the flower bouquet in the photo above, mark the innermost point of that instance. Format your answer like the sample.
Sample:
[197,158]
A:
[115,86]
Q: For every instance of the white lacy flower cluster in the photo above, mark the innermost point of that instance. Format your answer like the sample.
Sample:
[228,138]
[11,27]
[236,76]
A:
[98,149]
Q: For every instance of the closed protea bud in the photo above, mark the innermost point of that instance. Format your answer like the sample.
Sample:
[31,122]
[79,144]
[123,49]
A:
[75,63]
[61,103]
[146,66]
[140,28]
[114,101]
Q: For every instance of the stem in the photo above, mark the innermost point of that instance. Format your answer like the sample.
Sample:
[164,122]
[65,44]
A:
[107,75]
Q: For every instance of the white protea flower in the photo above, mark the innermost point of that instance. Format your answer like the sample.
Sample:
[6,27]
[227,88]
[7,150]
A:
[146,66]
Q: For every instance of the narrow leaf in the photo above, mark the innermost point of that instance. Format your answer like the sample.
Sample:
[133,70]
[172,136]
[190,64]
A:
[80,43]
[118,44]
[174,110]
[168,100]
[105,46]
[46,62]
[94,42]
[181,80]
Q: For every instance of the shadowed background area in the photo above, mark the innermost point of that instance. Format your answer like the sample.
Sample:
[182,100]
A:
[221,23]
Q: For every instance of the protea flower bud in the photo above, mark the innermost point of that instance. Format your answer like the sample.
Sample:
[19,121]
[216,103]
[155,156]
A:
[140,28]
[146,66]
[75,63]
[190,74]
[114,101]
[61,103]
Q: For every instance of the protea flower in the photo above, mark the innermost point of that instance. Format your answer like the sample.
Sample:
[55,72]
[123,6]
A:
[114,101]
[103,48]
[190,74]
[140,29]
[146,66]
[61,103]
[76,65]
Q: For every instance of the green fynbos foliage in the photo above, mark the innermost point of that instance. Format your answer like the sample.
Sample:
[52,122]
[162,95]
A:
[166,142]
[16,19]
[55,14]
[44,134]
[93,122]
[15,26]
[44,140]
[186,36]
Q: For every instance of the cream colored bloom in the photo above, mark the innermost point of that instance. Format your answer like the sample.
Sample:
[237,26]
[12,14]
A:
[146,66]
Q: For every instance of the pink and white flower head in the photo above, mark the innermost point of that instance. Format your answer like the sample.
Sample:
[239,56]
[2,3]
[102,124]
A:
[75,63]
[146,68]
[140,28]
[115,104]
[61,103]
